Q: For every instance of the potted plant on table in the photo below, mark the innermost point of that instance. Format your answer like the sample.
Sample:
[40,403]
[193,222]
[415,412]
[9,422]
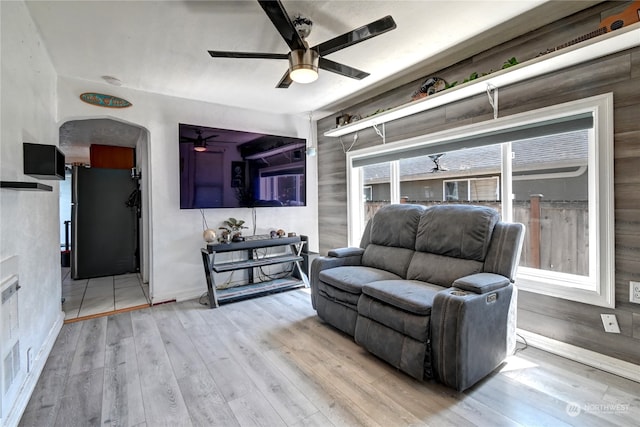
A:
[233,229]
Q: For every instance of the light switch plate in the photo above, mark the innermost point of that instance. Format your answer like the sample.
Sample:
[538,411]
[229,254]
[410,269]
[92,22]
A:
[610,323]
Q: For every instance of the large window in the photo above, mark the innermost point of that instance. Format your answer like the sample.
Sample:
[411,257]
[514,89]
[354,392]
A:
[549,169]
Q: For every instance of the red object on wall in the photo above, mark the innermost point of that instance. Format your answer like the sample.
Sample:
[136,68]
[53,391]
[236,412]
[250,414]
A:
[111,157]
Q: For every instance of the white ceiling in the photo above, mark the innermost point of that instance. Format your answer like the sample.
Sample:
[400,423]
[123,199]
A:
[161,46]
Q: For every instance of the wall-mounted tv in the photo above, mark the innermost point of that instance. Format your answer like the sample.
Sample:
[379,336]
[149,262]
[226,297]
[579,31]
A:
[224,168]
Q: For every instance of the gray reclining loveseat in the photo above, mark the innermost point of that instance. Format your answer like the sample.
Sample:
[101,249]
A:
[429,290]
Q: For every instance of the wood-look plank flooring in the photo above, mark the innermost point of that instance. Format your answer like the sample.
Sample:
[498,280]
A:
[271,362]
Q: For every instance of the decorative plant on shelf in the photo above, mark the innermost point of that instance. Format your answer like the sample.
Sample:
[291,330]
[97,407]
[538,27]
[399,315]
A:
[233,229]
[510,62]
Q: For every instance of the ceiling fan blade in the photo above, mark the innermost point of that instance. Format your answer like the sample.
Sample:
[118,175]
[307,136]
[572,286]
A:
[356,36]
[285,81]
[278,15]
[250,55]
[341,69]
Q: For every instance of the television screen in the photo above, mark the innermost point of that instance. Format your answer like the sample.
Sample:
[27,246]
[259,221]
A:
[223,168]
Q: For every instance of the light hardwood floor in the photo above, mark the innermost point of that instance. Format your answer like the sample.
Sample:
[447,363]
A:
[271,362]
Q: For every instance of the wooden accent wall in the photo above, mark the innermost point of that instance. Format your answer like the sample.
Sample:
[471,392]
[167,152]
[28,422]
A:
[111,157]
[574,323]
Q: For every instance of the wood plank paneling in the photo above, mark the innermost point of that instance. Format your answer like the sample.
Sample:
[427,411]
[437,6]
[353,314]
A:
[617,73]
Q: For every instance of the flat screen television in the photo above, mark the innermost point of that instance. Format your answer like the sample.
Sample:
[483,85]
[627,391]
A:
[224,168]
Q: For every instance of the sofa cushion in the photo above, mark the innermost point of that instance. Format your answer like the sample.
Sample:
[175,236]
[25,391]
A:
[413,325]
[399,349]
[408,295]
[352,278]
[338,296]
[440,270]
[395,260]
[396,225]
[460,231]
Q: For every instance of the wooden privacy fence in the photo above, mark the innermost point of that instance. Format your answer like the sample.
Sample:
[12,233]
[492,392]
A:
[557,236]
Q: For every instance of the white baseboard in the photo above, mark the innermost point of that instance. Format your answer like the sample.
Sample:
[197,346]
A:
[591,358]
[182,295]
[31,379]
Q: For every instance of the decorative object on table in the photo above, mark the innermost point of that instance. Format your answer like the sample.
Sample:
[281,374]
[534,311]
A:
[225,237]
[281,232]
[429,87]
[291,234]
[209,235]
[102,100]
[273,234]
[233,228]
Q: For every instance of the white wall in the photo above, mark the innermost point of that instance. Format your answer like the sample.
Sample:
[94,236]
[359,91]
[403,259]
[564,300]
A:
[29,220]
[176,235]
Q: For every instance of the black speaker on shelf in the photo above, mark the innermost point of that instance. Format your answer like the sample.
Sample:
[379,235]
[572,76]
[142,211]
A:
[43,161]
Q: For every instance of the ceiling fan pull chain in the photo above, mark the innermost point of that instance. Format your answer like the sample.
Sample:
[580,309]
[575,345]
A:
[492,93]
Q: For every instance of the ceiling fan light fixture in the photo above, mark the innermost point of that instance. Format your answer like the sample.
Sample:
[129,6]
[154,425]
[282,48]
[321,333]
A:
[303,65]
[199,146]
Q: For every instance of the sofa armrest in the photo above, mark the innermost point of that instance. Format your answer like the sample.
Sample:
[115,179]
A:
[481,283]
[469,334]
[345,252]
[326,262]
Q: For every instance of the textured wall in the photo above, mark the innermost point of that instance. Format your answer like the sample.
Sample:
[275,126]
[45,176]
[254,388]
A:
[29,220]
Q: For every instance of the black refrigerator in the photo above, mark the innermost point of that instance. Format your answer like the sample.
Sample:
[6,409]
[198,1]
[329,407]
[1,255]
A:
[104,222]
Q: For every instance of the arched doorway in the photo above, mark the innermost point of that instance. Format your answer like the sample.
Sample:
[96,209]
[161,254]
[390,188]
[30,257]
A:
[96,291]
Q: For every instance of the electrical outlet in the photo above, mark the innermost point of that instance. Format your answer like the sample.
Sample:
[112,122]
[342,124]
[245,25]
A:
[610,323]
[634,292]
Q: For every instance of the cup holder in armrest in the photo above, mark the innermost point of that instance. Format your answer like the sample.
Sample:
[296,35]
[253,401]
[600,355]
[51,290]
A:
[459,293]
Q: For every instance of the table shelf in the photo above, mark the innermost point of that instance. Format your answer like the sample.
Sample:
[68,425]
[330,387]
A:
[253,263]
[252,289]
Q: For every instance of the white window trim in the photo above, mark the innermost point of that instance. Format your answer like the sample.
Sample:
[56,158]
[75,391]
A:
[468,196]
[601,197]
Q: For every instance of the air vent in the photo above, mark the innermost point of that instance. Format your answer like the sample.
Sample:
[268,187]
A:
[11,366]
[10,332]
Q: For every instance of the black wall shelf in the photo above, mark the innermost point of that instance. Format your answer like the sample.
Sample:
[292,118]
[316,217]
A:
[27,186]
[43,161]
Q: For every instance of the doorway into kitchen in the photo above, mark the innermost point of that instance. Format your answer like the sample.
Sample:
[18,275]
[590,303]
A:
[103,218]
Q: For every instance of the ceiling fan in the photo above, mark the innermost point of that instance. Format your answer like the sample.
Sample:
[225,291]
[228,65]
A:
[304,61]
[199,143]
[436,159]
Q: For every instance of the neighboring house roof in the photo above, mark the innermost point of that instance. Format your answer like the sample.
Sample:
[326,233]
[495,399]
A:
[549,152]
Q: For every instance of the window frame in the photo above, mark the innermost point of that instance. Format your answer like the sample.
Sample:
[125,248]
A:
[469,186]
[600,290]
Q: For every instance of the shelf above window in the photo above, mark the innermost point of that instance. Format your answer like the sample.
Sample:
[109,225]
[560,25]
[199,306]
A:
[607,44]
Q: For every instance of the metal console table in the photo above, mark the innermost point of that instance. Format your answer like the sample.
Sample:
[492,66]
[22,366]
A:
[252,288]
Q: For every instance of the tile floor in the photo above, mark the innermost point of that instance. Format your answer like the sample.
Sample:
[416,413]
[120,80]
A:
[87,297]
